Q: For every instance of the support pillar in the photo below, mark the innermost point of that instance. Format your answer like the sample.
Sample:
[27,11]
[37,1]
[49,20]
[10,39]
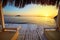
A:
[58,19]
[1,15]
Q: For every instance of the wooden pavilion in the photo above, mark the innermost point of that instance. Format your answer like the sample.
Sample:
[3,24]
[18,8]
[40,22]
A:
[22,3]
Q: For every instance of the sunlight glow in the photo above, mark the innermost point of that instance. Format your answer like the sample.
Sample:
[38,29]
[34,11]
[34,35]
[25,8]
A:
[44,10]
[35,10]
[45,21]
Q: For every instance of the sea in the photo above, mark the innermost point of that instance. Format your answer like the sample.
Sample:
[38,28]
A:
[16,21]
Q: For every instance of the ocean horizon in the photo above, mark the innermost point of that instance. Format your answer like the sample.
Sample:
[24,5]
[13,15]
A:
[13,20]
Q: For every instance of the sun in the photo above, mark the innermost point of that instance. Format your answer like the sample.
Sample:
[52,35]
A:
[44,10]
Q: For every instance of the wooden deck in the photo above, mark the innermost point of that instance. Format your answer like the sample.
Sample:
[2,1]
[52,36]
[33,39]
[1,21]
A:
[8,35]
[52,35]
[29,34]
[30,31]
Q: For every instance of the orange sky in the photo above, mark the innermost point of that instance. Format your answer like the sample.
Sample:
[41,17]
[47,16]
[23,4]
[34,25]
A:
[32,10]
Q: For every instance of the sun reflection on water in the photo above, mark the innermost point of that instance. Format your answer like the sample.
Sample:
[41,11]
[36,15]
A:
[45,21]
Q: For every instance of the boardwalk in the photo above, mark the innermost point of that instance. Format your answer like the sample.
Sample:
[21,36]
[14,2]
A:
[29,31]
[29,35]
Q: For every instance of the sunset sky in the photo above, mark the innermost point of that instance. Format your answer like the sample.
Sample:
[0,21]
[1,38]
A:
[12,10]
[31,9]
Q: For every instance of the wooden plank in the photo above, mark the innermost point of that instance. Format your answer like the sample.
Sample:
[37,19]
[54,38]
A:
[29,34]
[0,12]
[15,36]
[1,15]
[58,19]
[12,29]
[52,35]
[8,35]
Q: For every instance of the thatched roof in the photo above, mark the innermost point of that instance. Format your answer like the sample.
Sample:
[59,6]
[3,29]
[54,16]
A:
[22,3]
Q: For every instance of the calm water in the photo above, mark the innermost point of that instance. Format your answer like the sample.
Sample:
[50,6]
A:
[32,21]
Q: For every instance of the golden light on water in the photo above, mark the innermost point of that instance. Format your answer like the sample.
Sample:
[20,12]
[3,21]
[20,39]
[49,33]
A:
[44,21]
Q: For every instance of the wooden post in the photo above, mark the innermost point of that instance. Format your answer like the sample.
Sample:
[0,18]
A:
[1,15]
[58,19]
